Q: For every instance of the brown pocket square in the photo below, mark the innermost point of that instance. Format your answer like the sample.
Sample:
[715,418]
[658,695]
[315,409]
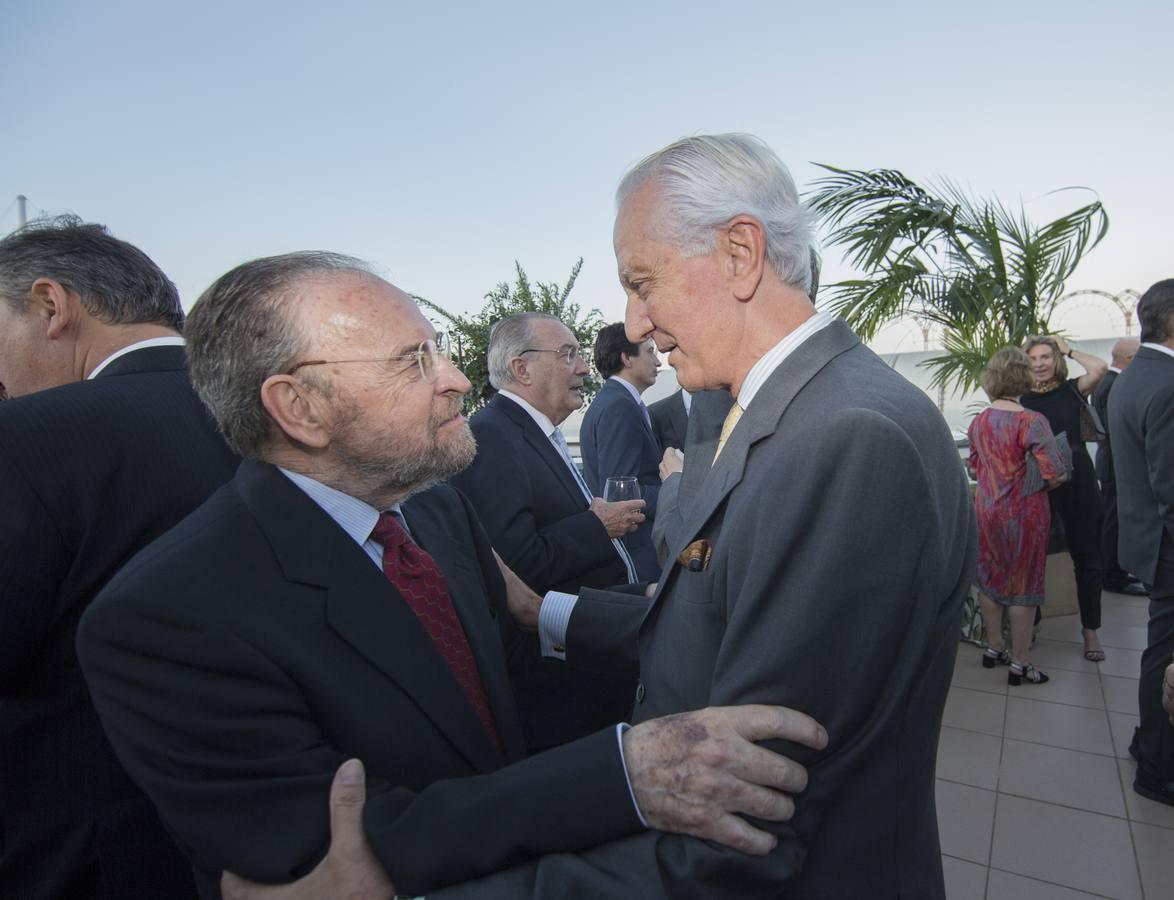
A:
[696,556]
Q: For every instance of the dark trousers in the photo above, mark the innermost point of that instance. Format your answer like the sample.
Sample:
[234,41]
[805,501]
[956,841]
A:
[1155,737]
[1078,506]
[1114,576]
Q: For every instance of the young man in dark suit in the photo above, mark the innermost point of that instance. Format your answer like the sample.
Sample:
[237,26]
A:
[1141,425]
[334,601]
[616,437]
[103,446]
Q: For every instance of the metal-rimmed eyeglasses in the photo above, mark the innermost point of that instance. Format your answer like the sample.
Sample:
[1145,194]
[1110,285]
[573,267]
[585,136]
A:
[568,352]
[426,357]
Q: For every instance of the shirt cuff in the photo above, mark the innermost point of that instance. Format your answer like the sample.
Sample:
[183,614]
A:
[620,729]
[553,617]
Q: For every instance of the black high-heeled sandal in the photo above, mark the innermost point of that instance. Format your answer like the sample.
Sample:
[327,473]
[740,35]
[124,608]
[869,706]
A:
[1017,674]
[990,656]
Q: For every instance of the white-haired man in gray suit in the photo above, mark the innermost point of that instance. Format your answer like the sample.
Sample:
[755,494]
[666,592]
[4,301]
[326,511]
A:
[822,563]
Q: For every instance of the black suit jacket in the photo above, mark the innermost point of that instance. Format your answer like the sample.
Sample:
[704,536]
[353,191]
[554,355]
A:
[92,472]
[240,659]
[615,440]
[670,422]
[1100,401]
[540,523]
[1141,426]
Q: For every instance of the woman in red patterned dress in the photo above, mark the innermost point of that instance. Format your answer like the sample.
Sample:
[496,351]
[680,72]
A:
[1012,524]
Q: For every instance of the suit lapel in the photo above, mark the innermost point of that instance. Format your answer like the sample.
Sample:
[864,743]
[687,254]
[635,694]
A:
[542,446]
[361,606]
[760,420]
[466,586]
[626,397]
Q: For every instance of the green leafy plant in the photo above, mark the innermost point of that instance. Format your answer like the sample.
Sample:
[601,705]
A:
[470,333]
[982,272]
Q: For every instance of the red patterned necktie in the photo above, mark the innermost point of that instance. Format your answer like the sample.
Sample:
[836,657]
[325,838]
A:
[421,583]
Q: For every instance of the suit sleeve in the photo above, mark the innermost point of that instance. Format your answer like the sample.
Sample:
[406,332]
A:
[238,758]
[619,450]
[1159,439]
[502,490]
[789,595]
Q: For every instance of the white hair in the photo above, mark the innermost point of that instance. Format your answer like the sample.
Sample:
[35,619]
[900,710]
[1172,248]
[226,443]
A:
[707,180]
[508,338]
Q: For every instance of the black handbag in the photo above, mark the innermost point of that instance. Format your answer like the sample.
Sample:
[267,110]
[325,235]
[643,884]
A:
[1092,429]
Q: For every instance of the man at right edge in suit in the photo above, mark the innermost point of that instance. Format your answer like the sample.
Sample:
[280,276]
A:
[831,546]
[1141,426]
[1117,579]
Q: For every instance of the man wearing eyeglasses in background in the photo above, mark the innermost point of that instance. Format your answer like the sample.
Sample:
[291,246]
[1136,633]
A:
[334,601]
[542,518]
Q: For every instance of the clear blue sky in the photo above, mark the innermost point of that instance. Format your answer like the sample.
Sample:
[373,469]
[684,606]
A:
[442,141]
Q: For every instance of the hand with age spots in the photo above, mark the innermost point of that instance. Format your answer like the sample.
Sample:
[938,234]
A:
[695,772]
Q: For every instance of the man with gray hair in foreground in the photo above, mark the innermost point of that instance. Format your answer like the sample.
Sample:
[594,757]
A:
[821,564]
[334,601]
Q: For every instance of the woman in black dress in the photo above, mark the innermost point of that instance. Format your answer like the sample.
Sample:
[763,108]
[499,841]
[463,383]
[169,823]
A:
[1078,503]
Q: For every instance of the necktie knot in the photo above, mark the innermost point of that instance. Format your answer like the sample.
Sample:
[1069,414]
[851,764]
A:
[388,531]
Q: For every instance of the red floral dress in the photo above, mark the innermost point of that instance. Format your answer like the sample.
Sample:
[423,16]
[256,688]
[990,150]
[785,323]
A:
[1012,527]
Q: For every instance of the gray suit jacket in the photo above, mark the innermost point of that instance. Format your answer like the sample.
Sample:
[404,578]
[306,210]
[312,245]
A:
[707,414]
[844,543]
[1141,426]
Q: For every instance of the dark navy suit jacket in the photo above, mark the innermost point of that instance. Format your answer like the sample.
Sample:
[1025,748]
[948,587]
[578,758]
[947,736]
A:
[670,421]
[89,474]
[615,440]
[241,658]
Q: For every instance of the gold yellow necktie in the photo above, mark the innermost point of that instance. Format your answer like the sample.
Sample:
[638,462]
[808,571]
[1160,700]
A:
[732,418]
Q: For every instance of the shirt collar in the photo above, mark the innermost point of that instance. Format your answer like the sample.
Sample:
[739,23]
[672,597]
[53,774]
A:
[1162,348]
[540,419]
[773,358]
[169,341]
[631,387]
[352,515]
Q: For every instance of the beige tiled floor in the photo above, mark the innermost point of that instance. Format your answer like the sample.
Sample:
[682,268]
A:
[1035,783]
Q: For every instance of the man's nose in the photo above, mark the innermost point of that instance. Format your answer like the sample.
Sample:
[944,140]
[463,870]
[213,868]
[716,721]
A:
[450,378]
[637,325]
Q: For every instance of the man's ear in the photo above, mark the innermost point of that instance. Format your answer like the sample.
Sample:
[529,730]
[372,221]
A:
[59,308]
[744,242]
[520,369]
[299,410]
[626,360]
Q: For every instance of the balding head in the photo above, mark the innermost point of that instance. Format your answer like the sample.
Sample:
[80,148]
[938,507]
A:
[1124,351]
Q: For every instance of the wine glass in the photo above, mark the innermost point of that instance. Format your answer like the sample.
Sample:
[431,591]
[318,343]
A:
[621,487]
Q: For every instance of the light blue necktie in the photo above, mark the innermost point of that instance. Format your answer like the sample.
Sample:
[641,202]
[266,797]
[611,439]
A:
[560,442]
